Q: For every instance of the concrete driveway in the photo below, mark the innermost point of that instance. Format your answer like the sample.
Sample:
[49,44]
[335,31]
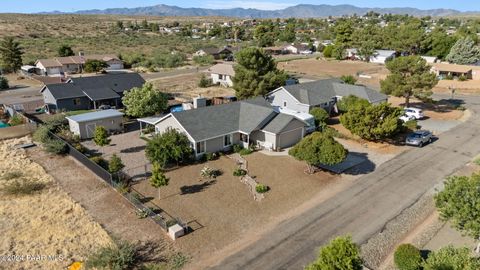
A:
[365,208]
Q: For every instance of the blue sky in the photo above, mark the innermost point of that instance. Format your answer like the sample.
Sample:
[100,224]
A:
[31,6]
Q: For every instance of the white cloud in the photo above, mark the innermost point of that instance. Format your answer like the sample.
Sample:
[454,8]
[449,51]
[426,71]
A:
[262,5]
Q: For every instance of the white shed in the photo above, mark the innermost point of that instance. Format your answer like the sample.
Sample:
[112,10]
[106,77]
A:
[84,124]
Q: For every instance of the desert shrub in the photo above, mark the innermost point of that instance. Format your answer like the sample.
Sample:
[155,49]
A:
[245,151]
[115,164]
[237,148]
[42,134]
[168,60]
[93,65]
[261,188]
[327,51]
[211,156]
[11,175]
[55,146]
[339,253]
[204,81]
[411,125]
[67,135]
[462,78]
[100,161]
[56,122]
[348,79]
[449,77]
[3,83]
[208,172]
[170,223]
[203,60]
[16,120]
[321,116]
[118,256]
[23,187]
[122,187]
[80,148]
[178,261]
[239,172]
[451,258]
[407,257]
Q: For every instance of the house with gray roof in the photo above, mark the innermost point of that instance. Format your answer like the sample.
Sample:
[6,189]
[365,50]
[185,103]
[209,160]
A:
[84,93]
[322,93]
[248,122]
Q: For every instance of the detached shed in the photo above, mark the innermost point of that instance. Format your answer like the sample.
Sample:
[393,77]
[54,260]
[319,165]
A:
[84,124]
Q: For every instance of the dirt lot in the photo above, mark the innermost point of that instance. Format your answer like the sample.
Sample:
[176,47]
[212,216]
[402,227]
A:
[185,87]
[466,87]
[222,211]
[440,111]
[46,223]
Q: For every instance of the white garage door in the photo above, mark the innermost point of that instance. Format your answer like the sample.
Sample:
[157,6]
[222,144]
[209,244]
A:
[289,138]
[115,66]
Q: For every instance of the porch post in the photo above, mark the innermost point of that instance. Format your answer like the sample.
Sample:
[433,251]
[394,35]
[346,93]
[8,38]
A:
[141,128]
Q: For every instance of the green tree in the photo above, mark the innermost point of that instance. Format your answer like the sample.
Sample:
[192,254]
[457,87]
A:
[367,39]
[349,79]
[327,51]
[407,257]
[318,148]
[339,51]
[459,203]
[438,43]
[450,258]
[10,55]
[100,136]
[65,50]
[3,83]
[321,116]
[144,101]
[340,254]
[256,73]
[344,33]
[264,35]
[92,65]
[154,27]
[158,178]
[347,103]
[288,35]
[464,52]
[170,146]
[410,76]
[373,122]
[115,164]
[119,25]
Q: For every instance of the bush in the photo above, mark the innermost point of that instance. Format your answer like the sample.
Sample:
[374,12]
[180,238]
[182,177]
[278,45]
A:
[23,187]
[42,134]
[449,77]
[209,173]
[321,116]
[3,83]
[168,60]
[348,79]
[115,164]
[177,261]
[56,123]
[16,120]
[121,255]
[100,136]
[451,258]
[122,187]
[327,51]
[11,175]
[55,146]
[211,156]
[100,161]
[340,253]
[411,125]
[462,78]
[204,81]
[407,257]
[80,148]
[245,151]
[237,148]
[349,102]
[203,60]
[93,65]
[239,172]
[261,188]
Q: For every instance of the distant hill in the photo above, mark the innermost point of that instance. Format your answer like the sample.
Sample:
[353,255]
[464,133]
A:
[298,11]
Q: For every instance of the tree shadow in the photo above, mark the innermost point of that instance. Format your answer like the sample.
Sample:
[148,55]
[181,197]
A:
[364,167]
[133,149]
[196,188]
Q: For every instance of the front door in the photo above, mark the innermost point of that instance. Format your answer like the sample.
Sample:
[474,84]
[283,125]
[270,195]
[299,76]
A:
[90,130]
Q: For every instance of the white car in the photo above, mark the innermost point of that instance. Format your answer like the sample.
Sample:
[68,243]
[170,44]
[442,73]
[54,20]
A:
[405,118]
[415,112]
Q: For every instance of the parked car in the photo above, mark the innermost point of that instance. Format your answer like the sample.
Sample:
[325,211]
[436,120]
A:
[104,107]
[405,118]
[419,138]
[415,112]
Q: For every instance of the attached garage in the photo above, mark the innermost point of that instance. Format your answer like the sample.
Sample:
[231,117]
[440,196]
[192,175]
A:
[284,131]
[289,138]
[84,124]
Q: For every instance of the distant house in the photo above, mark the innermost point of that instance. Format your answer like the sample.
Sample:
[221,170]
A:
[222,74]
[84,124]
[86,93]
[442,70]
[248,122]
[217,53]
[275,50]
[382,56]
[74,64]
[322,93]
[298,49]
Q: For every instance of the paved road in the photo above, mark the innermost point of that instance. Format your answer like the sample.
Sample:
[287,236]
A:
[364,209]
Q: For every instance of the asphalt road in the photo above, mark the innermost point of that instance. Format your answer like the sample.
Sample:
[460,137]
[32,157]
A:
[365,208]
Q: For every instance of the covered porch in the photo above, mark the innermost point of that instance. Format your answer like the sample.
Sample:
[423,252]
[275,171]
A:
[147,125]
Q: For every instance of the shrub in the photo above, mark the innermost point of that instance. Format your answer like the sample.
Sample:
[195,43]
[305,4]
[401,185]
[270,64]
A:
[239,172]
[80,148]
[121,255]
[340,253]
[55,146]
[477,161]
[348,79]
[16,120]
[122,187]
[204,81]
[23,187]
[211,156]
[411,125]
[170,223]
[327,51]
[93,65]
[100,136]
[449,77]
[11,175]
[208,172]
[3,83]
[321,116]
[115,164]
[56,123]
[451,258]
[261,188]
[237,148]
[41,134]
[462,78]
[245,151]
[100,161]
[178,261]
[407,257]
[349,102]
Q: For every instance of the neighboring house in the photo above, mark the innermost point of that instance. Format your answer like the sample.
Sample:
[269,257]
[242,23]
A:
[217,53]
[85,93]
[442,70]
[84,124]
[322,93]
[278,50]
[382,56]
[248,122]
[298,49]
[74,64]
[430,59]
[222,74]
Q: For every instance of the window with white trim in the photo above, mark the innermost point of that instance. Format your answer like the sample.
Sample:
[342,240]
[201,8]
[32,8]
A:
[200,147]
[227,140]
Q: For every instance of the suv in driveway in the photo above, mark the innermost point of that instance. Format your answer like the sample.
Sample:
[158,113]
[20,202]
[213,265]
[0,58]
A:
[414,112]
[419,138]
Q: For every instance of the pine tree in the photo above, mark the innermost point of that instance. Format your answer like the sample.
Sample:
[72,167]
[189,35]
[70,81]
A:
[10,55]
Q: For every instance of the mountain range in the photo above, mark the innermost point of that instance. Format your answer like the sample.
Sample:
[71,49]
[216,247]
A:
[298,11]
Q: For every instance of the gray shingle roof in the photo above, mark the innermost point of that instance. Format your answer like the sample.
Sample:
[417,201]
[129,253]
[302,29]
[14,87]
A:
[322,91]
[116,82]
[102,93]
[278,123]
[213,121]
[64,90]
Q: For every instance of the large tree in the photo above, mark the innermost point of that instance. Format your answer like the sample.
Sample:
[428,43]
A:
[464,52]
[65,50]
[451,258]
[341,253]
[256,73]
[372,122]
[10,55]
[93,65]
[459,203]
[438,43]
[410,76]
[318,148]
[264,35]
[144,101]
[170,146]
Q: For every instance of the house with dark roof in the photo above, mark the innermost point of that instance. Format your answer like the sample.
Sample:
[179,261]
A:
[217,53]
[248,122]
[86,93]
[321,93]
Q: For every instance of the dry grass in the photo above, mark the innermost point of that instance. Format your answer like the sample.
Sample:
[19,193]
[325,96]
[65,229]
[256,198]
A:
[47,222]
